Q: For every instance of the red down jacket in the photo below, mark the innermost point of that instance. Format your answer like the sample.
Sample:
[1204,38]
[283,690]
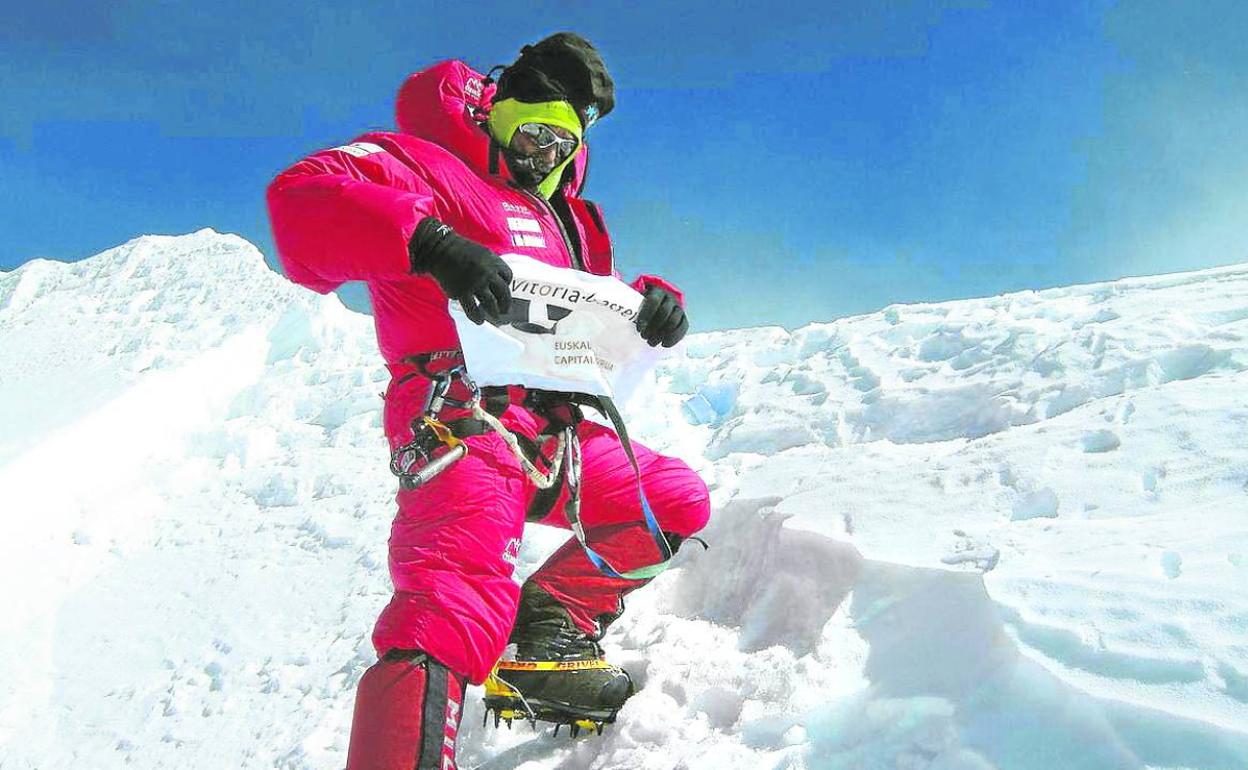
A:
[346,214]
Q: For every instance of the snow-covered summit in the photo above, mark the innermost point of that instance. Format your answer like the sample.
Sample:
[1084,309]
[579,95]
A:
[79,334]
[1000,533]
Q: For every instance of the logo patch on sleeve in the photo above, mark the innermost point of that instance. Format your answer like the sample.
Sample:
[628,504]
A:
[360,149]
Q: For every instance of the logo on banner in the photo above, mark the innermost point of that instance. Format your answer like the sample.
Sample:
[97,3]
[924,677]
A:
[533,316]
[564,329]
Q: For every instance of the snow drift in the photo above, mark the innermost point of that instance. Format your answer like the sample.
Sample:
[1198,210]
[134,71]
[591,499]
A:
[1003,533]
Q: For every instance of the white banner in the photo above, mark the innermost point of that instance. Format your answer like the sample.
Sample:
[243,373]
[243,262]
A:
[566,330]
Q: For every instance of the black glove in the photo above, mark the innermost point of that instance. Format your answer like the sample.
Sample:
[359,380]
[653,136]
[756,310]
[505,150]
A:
[661,318]
[467,271]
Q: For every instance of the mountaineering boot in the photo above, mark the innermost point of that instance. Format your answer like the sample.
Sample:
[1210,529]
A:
[407,711]
[557,673]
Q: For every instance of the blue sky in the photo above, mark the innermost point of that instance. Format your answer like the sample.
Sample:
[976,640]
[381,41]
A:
[782,163]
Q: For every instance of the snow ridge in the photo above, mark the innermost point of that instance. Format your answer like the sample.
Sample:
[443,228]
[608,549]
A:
[999,533]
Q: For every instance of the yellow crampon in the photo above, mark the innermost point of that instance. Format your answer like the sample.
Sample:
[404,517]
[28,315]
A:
[508,704]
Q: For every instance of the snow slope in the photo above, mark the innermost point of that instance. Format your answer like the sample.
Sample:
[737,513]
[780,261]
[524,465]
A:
[1003,533]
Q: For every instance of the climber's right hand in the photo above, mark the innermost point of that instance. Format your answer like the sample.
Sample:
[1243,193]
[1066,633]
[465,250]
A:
[467,271]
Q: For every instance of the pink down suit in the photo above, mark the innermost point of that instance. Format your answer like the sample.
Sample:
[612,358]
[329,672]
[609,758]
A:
[346,214]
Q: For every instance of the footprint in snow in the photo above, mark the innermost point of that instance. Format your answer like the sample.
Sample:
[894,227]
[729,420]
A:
[1041,504]
[1097,441]
[1149,479]
[1172,564]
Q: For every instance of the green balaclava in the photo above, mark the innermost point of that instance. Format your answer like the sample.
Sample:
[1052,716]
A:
[506,117]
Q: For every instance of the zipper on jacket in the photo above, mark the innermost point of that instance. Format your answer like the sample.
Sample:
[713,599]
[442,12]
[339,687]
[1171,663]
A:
[567,242]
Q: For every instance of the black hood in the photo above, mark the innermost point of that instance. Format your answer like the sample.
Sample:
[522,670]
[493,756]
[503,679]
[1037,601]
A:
[565,67]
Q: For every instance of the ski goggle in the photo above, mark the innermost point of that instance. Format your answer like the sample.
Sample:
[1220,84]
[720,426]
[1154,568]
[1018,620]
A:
[544,137]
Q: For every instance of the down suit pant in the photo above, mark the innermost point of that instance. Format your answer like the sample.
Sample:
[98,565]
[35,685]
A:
[455,542]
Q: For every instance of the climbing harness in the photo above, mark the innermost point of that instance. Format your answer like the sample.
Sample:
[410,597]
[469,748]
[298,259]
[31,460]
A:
[415,463]
[436,445]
